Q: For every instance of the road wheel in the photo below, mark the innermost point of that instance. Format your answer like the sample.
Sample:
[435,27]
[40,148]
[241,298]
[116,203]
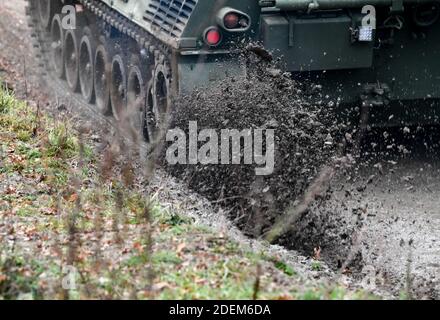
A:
[118,88]
[86,65]
[157,108]
[46,11]
[71,60]
[102,79]
[57,46]
[136,94]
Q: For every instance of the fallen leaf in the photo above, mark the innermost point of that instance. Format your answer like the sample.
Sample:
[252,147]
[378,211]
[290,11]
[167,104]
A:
[180,247]
[200,281]
[73,197]
[137,246]
[10,190]
[346,271]
[160,286]
[317,253]
[49,211]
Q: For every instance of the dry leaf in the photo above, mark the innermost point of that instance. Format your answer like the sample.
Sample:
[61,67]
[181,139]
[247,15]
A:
[49,211]
[73,197]
[137,246]
[180,247]
[10,190]
[317,253]
[160,286]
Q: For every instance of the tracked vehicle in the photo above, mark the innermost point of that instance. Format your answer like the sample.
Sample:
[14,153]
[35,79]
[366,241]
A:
[128,57]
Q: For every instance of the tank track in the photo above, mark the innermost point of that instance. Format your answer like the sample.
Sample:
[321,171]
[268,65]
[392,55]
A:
[159,53]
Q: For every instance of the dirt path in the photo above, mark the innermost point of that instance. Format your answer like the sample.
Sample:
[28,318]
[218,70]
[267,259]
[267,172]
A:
[399,240]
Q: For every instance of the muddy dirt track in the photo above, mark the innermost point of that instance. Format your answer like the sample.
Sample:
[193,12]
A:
[380,223]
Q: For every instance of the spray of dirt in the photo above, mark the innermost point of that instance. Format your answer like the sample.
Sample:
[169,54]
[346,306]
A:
[290,205]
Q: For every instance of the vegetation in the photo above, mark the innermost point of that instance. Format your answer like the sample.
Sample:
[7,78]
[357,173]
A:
[75,226]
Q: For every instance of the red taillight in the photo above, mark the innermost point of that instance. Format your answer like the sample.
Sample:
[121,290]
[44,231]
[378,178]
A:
[231,20]
[213,36]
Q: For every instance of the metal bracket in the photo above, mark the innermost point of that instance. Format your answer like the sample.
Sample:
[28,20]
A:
[397,6]
[314,5]
[376,94]
[267,3]
[291,31]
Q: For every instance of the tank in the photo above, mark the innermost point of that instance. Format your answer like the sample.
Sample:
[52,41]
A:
[129,57]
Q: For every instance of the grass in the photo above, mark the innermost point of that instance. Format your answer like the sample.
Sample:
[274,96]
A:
[280,265]
[122,244]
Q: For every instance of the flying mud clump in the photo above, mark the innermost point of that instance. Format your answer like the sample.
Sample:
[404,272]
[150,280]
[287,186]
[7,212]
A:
[304,141]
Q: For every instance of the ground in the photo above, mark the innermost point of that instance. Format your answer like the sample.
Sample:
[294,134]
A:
[61,209]
[398,241]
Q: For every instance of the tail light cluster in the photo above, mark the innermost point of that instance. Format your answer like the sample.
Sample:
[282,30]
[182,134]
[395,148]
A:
[230,20]
[233,20]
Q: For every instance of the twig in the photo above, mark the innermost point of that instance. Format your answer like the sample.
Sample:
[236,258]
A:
[257,283]
[25,78]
